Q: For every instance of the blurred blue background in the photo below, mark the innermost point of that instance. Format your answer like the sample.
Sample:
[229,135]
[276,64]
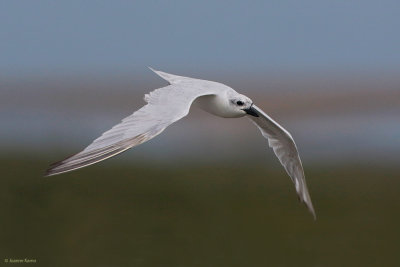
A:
[75,37]
[328,71]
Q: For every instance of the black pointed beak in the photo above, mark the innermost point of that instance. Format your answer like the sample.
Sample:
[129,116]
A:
[251,111]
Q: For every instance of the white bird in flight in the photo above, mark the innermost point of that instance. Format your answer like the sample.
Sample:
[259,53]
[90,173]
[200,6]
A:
[169,104]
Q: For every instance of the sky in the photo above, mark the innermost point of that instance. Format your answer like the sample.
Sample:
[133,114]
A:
[70,37]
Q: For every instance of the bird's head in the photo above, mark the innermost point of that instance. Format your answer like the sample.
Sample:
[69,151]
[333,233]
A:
[242,105]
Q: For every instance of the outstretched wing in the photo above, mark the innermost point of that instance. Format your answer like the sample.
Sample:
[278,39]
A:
[164,106]
[285,149]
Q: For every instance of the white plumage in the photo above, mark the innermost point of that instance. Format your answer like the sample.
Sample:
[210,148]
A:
[171,103]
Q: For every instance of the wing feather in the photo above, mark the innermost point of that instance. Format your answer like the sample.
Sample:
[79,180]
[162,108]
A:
[164,106]
[285,149]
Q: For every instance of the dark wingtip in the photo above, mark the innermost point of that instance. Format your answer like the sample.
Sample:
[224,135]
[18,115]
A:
[311,210]
[314,215]
[49,172]
[309,206]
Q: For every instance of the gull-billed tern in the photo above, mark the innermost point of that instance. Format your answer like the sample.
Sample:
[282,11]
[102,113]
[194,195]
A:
[169,104]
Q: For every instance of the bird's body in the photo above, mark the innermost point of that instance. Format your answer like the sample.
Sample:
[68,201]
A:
[171,103]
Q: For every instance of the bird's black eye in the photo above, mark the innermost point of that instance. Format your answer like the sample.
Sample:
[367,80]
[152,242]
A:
[239,103]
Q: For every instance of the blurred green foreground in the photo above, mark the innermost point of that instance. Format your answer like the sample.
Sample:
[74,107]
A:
[200,215]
